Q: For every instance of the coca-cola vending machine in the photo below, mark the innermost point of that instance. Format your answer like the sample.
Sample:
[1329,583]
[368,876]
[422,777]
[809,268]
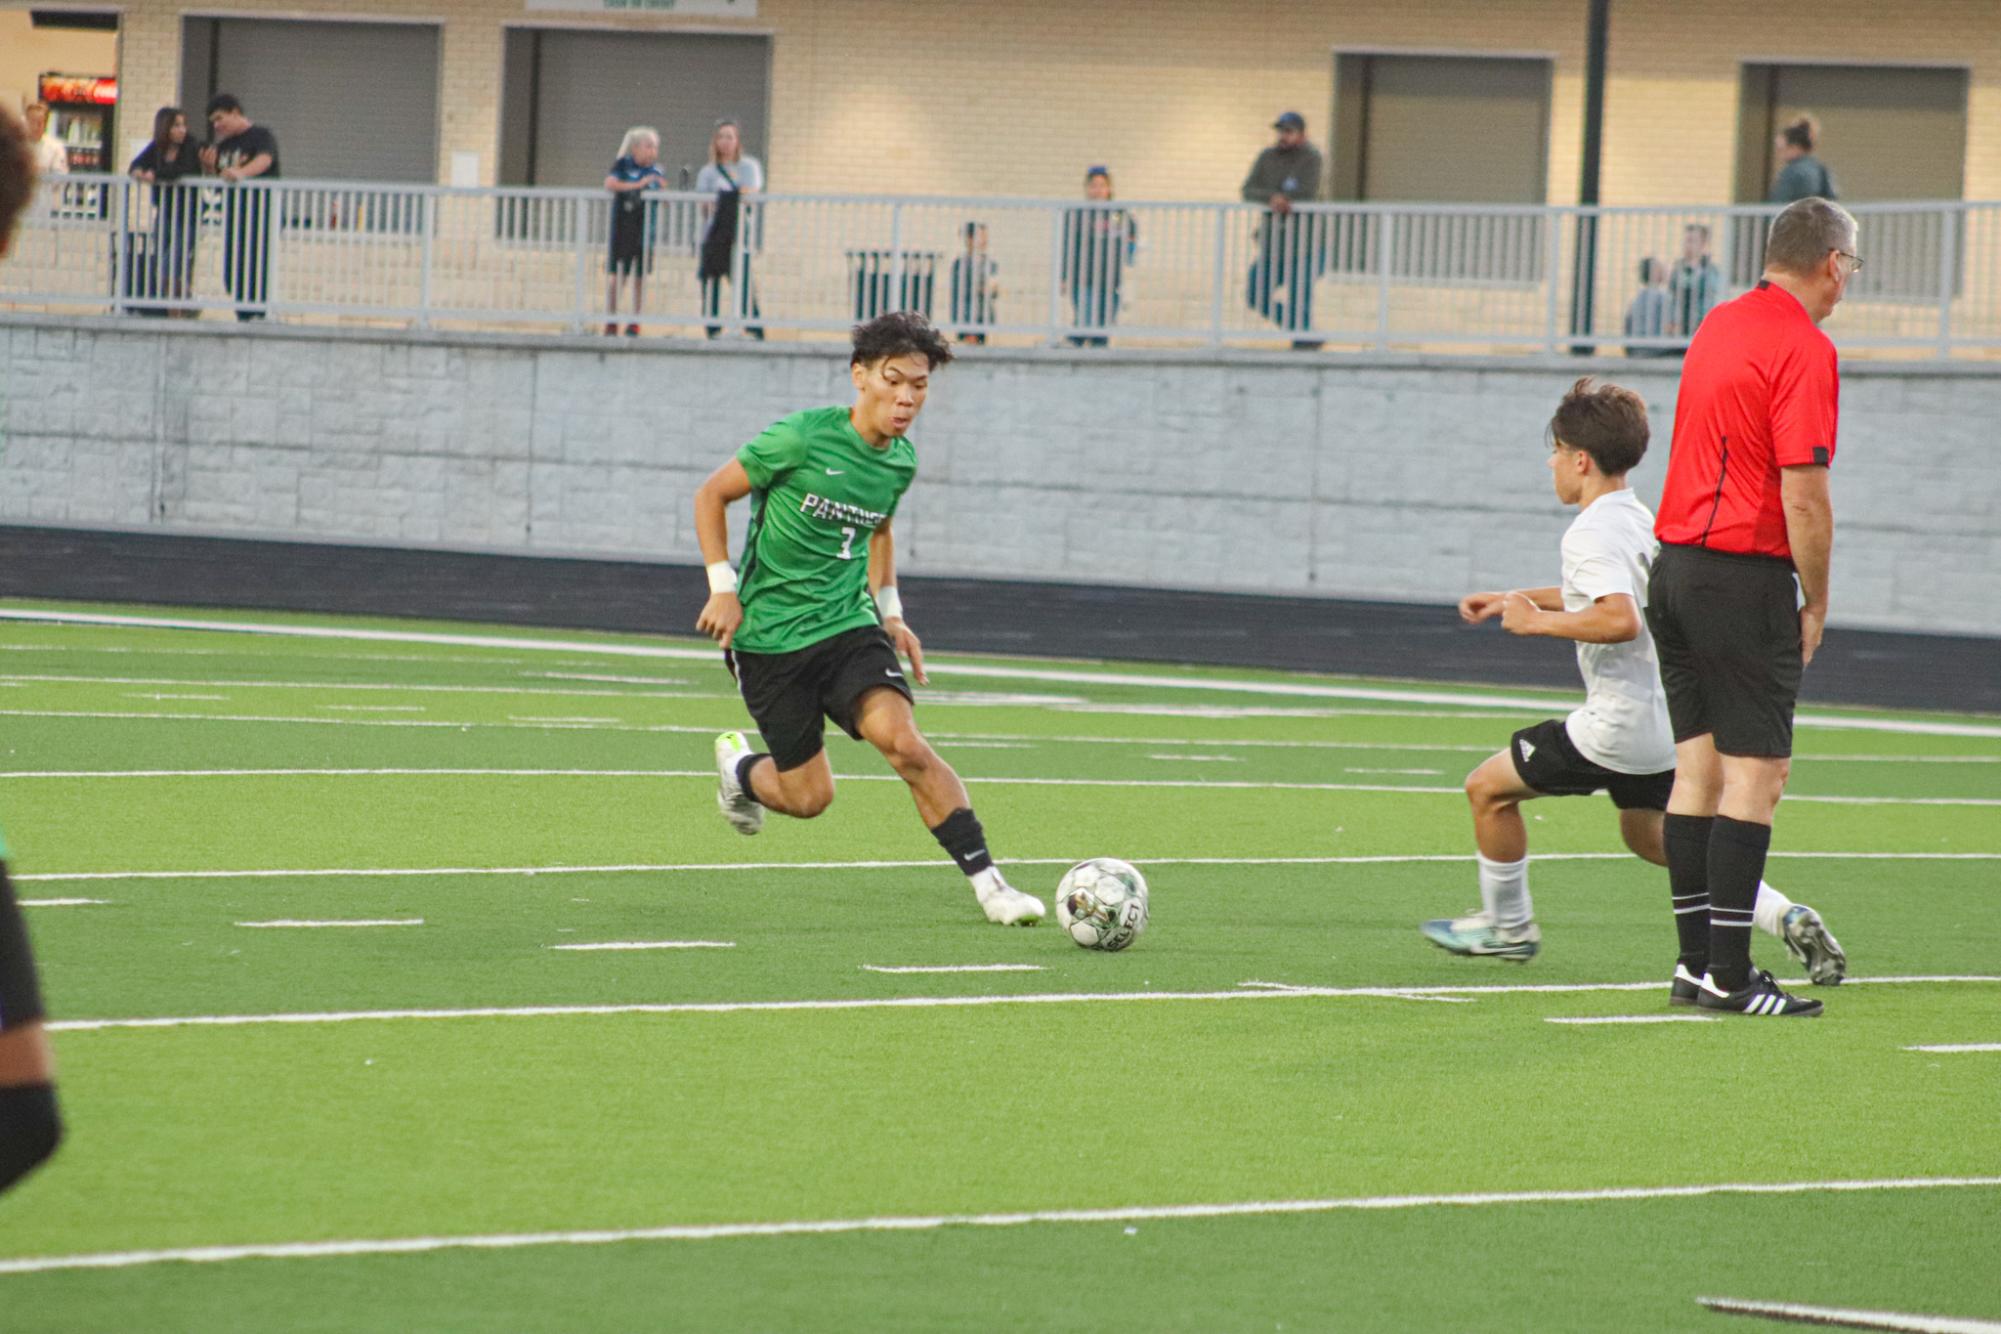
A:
[82,108]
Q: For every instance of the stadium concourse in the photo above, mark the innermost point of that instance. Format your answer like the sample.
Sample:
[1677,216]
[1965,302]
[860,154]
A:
[1857,667]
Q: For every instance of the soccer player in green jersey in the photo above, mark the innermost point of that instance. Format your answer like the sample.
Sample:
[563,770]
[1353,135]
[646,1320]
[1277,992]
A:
[29,1125]
[811,621]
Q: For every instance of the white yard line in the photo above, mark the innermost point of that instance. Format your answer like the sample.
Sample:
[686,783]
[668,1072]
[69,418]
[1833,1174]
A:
[1955,1047]
[309,1250]
[1842,1317]
[1635,1019]
[394,686]
[156,697]
[1184,758]
[340,921]
[634,868]
[978,780]
[909,1003]
[62,903]
[650,945]
[1300,689]
[373,708]
[952,968]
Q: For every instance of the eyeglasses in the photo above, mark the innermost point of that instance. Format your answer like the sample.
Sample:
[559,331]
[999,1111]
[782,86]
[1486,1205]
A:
[1855,261]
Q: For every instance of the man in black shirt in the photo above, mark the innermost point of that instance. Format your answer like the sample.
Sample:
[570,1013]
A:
[242,152]
[1291,246]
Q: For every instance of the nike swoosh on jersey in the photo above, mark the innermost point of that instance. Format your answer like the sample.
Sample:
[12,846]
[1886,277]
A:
[836,472]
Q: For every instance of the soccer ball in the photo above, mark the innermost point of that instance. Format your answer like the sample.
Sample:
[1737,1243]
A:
[1102,903]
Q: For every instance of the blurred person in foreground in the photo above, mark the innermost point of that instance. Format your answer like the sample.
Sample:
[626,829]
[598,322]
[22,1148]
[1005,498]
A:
[30,1127]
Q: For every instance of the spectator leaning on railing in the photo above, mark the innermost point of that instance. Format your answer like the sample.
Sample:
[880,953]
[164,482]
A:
[1695,285]
[1288,257]
[636,171]
[975,281]
[243,152]
[162,163]
[730,175]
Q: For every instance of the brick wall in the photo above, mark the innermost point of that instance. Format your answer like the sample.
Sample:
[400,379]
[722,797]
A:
[1246,472]
[985,97]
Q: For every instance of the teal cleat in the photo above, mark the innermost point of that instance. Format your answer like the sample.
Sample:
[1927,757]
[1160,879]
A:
[1476,936]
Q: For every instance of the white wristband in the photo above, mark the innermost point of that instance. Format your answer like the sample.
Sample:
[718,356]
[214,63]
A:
[722,578]
[889,603]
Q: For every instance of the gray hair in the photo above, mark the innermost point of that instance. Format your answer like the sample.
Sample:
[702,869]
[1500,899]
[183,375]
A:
[1804,234]
[638,134]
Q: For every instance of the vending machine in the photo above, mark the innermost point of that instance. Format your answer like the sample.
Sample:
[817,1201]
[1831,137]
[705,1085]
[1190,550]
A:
[82,108]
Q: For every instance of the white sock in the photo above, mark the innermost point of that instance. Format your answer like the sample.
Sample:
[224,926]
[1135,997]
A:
[1769,912]
[1504,891]
[986,882]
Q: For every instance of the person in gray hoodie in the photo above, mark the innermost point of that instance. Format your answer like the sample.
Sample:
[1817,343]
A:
[1291,249]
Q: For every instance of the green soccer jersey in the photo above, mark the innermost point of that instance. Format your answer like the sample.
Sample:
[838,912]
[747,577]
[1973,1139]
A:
[818,490]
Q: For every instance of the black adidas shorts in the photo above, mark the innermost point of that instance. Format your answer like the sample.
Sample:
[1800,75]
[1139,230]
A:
[1549,761]
[20,997]
[1727,629]
[789,693]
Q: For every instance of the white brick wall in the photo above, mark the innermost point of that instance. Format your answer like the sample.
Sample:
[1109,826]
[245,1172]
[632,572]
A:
[1344,477]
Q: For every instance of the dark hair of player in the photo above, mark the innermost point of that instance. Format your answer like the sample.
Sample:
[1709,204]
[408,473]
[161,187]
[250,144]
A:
[17,172]
[899,334]
[1605,421]
[224,102]
[1802,133]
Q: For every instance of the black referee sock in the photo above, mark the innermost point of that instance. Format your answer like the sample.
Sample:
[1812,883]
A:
[1737,851]
[29,1130]
[960,834]
[743,772]
[1685,838]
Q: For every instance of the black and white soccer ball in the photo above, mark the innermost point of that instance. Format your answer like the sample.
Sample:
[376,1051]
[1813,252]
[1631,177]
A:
[1102,903]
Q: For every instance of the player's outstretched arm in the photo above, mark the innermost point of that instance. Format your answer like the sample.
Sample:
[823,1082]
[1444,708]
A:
[882,585]
[723,612]
[1612,619]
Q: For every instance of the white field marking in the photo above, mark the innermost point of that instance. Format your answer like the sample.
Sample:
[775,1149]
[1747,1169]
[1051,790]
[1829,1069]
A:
[1195,759]
[62,903]
[1635,1019]
[1232,784]
[1954,1047]
[992,745]
[988,699]
[134,695]
[287,655]
[650,945]
[622,650]
[1429,773]
[635,868]
[1232,711]
[1842,1317]
[1898,759]
[445,724]
[311,1250]
[1291,987]
[609,679]
[522,718]
[953,968]
[373,708]
[398,687]
[913,1003]
[341,921]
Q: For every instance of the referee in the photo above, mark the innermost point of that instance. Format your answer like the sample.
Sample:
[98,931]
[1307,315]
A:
[1738,596]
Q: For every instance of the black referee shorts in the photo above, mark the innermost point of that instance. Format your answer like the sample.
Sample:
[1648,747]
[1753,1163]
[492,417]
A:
[20,997]
[1727,629]
[789,693]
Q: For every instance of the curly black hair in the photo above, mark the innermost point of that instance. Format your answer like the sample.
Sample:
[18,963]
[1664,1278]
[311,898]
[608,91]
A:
[899,334]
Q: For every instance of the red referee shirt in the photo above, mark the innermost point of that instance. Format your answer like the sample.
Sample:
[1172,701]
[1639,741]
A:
[1760,391]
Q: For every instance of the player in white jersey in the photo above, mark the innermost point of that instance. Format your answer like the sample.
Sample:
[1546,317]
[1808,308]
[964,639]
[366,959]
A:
[1620,742]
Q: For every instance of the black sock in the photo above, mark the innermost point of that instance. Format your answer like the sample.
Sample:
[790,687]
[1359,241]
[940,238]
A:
[29,1130]
[960,834]
[1736,864]
[1686,841]
[743,772]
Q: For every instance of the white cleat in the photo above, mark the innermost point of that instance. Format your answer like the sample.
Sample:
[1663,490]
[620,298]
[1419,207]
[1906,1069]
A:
[743,811]
[1005,905]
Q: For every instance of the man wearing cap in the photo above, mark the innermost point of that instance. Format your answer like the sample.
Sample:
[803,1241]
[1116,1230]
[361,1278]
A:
[1291,252]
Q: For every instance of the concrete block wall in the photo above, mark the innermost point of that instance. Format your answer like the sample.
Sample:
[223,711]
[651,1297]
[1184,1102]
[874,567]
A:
[1264,472]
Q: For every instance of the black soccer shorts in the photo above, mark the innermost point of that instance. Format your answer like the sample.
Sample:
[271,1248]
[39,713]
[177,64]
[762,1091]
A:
[20,996]
[1727,629]
[789,693]
[1549,761]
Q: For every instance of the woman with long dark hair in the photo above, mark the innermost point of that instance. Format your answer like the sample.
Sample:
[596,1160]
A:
[163,163]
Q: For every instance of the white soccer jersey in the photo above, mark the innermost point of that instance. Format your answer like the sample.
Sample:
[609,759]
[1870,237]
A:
[1624,722]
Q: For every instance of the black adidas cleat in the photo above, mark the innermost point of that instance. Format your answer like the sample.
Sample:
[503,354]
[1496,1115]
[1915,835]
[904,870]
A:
[1759,996]
[1685,986]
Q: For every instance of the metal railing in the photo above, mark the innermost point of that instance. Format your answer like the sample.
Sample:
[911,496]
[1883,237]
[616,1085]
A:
[1440,278]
